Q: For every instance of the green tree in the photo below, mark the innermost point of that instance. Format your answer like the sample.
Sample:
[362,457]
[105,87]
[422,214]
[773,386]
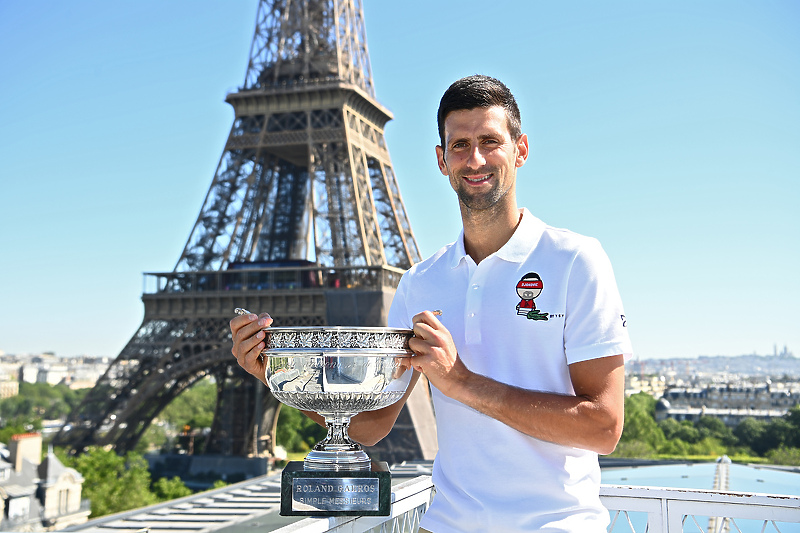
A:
[785,456]
[707,446]
[17,425]
[41,400]
[684,431]
[633,448]
[154,438]
[16,407]
[710,426]
[169,489]
[778,433]
[750,433]
[218,484]
[640,424]
[113,483]
[793,418]
[675,446]
[296,432]
[194,406]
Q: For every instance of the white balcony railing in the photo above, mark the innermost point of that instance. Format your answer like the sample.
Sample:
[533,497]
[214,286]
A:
[632,509]
[662,510]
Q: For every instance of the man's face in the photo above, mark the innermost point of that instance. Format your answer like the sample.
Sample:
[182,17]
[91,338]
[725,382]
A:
[480,157]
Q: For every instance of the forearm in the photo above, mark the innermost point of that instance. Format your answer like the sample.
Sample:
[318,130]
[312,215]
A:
[590,423]
[590,419]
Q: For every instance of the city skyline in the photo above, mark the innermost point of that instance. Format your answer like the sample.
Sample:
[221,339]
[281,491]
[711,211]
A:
[669,132]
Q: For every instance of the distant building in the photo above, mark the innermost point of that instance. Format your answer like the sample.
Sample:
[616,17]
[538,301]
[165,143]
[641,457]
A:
[8,388]
[29,373]
[731,417]
[52,374]
[653,385]
[730,403]
[84,372]
[38,495]
[80,372]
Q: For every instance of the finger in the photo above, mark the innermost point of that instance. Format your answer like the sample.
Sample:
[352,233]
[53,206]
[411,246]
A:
[251,328]
[249,347]
[426,317]
[241,321]
[424,331]
[264,321]
[419,345]
[254,363]
[248,343]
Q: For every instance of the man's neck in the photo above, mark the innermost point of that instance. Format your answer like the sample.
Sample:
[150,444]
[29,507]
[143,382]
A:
[487,231]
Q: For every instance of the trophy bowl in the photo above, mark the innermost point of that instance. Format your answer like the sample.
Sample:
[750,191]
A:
[337,372]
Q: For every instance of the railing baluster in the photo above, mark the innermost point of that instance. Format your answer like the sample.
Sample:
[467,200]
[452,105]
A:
[668,509]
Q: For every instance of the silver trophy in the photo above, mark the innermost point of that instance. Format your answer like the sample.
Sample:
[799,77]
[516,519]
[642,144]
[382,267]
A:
[337,372]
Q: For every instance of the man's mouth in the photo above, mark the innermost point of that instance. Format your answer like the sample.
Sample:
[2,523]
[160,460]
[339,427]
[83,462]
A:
[478,179]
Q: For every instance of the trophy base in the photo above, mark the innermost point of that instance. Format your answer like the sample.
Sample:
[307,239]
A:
[331,493]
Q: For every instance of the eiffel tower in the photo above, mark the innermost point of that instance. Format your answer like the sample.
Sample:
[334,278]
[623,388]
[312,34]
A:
[303,219]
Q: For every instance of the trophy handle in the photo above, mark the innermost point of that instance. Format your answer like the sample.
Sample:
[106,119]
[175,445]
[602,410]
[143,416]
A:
[337,451]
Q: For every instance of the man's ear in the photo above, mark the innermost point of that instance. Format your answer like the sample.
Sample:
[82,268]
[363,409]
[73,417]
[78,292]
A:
[441,161]
[522,150]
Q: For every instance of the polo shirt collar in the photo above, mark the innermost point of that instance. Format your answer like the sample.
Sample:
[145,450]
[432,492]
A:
[518,247]
[524,239]
[458,253]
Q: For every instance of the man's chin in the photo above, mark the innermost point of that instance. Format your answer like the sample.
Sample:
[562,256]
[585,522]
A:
[478,202]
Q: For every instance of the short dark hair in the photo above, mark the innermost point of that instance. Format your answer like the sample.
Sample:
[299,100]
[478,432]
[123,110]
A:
[479,91]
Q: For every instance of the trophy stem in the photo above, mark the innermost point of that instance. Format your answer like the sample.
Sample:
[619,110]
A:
[337,451]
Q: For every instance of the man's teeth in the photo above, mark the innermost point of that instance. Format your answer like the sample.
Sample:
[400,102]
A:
[477,179]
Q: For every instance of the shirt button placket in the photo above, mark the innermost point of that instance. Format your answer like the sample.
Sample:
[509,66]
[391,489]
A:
[472,327]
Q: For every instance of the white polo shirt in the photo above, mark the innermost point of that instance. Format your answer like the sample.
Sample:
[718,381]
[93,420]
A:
[546,299]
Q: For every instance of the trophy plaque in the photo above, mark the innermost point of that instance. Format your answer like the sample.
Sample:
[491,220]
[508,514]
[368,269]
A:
[337,372]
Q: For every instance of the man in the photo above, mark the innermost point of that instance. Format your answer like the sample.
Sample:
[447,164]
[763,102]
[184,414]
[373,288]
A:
[524,402]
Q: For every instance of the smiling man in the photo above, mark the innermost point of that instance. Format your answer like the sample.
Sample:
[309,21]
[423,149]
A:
[524,402]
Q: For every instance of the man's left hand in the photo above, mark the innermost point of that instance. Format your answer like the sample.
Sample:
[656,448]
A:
[436,355]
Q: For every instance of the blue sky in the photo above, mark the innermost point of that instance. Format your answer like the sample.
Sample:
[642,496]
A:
[668,130]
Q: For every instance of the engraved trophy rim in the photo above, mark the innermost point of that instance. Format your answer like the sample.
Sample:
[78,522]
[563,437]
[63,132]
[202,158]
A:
[360,341]
[371,329]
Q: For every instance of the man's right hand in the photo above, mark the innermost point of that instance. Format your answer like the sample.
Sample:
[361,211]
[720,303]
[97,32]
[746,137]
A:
[248,341]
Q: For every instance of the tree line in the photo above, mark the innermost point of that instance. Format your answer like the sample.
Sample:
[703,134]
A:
[776,441]
[115,483]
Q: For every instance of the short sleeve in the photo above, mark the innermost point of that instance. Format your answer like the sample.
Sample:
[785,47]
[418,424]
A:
[398,311]
[595,325]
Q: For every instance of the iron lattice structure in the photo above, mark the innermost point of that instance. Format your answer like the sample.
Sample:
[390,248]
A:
[306,173]
[304,209]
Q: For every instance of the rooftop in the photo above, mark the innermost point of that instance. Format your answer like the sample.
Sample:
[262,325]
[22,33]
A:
[254,504]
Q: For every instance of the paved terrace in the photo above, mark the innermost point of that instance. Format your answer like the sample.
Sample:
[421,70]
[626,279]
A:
[253,505]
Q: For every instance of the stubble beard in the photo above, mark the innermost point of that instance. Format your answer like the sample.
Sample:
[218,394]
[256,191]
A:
[475,202]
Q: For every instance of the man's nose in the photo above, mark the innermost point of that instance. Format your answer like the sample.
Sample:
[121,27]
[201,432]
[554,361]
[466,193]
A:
[476,158]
